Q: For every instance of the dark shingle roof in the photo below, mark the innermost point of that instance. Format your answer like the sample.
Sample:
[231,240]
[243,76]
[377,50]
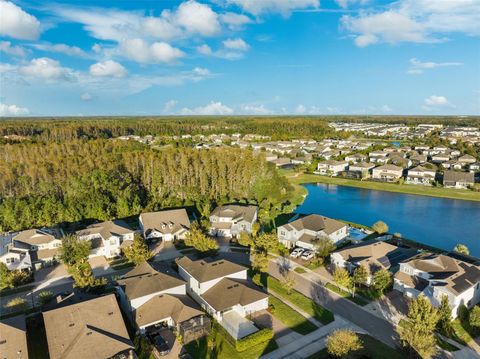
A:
[204,271]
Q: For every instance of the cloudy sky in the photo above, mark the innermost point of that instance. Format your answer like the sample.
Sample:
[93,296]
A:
[223,57]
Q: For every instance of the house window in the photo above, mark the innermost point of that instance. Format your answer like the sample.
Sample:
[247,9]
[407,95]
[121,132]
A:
[10,260]
[282,233]
[113,241]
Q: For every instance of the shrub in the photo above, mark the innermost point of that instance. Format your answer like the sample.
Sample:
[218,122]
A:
[342,342]
[474,317]
[44,297]
[380,227]
[17,303]
[256,338]
[462,312]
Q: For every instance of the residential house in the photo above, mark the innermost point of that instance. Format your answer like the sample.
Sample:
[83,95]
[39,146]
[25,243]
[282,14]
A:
[232,219]
[331,167]
[440,157]
[357,157]
[373,255]
[467,159]
[168,225]
[222,289]
[13,257]
[13,338]
[418,159]
[379,157]
[474,167]
[106,238]
[306,230]
[420,175]
[453,165]
[437,275]
[388,173]
[364,169]
[150,297]
[42,244]
[92,328]
[454,179]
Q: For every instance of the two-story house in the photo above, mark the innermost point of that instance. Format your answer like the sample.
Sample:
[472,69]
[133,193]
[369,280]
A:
[387,173]
[167,225]
[42,244]
[222,289]
[437,275]
[363,169]
[13,257]
[454,179]
[306,230]
[331,167]
[106,237]
[420,175]
[232,219]
[373,255]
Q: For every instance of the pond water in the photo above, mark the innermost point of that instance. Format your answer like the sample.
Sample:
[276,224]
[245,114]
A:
[434,221]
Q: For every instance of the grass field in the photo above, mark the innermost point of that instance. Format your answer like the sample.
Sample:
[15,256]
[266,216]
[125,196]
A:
[302,302]
[347,295]
[301,178]
[290,317]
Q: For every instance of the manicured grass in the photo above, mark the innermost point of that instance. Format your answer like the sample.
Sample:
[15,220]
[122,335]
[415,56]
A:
[302,302]
[357,299]
[26,288]
[381,186]
[461,331]
[445,345]
[198,349]
[300,270]
[372,349]
[122,265]
[290,317]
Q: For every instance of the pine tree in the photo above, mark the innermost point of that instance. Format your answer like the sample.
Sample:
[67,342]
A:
[382,279]
[445,316]
[342,278]
[360,276]
[197,239]
[138,252]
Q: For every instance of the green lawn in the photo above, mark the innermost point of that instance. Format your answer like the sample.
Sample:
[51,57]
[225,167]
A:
[372,349]
[198,349]
[462,332]
[445,345]
[359,300]
[10,291]
[390,187]
[290,317]
[302,302]
[300,270]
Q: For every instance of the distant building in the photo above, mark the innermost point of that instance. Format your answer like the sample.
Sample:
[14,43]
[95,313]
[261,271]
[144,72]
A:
[454,179]
[305,231]
[420,175]
[364,169]
[387,173]
[167,225]
[331,167]
[232,219]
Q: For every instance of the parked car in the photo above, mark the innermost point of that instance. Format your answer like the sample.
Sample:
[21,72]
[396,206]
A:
[297,252]
[160,346]
[307,255]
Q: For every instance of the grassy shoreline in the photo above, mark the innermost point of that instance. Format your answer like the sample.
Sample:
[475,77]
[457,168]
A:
[303,178]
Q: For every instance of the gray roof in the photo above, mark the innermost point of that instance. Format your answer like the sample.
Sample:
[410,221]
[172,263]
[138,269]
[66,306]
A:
[455,176]
[204,271]
[107,229]
[144,280]
[236,211]
[316,223]
[13,338]
[34,237]
[167,221]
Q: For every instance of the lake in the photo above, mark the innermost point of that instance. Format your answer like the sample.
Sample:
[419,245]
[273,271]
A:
[434,221]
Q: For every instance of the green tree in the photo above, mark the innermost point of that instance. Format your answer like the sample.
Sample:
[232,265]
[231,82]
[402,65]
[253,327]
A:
[323,247]
[73,250]
[259,261]
[417,332]
[83,276]
[266,241]
[5,277]
[343,342]
[288,282]
[445,316]
[461,248]
[380,227]
[138,252]
[360,276]
[474,317]
[382,279]
[342,278]
[197,239]
[245,239]
[45,296]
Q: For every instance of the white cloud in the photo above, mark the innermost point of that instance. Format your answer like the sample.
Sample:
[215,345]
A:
[200,71]
[417,67]
[213,108]
[97,48]
[61,48]
[255,110]
[16,23]
[333,109]
[86,97]
[12,110]
[197,18]
[386,108]
[284,7]
[204,50]
[140,51]
[6,46]
[169,106]
[419,21]
[301,109]
[235,21]
[236,44]
[435,101]
[47,69]
[108,68]
[346,3]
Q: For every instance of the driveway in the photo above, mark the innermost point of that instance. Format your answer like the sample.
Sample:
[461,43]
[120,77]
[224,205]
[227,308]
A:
[393,306]
[281,333]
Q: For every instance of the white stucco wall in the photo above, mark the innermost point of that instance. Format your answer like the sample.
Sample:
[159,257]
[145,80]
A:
[137,302]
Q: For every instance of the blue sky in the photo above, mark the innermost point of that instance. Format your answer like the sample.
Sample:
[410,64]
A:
[229,57]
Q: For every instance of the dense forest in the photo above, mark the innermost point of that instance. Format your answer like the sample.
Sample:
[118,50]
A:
[49,183]
[66,129]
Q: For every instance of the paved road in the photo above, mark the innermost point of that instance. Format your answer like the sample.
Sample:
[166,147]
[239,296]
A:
[377,327]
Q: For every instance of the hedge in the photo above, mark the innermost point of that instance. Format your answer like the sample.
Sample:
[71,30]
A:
[251,340]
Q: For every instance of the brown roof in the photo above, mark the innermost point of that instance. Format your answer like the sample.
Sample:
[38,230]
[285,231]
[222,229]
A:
[89,329]
[34,237]
[230,292]
[160,307]
[144,279]
[316,223]
[168,221]
[107,229]
[47,253]
[13,338]
[236,211]
[204,271]
[455,176]
[412,281]
[388,168]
